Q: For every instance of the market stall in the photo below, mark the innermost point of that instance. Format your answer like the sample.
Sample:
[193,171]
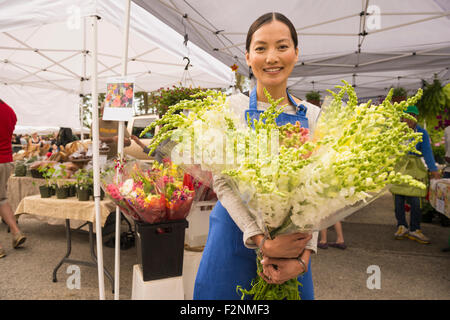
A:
[71,51]
[440,196]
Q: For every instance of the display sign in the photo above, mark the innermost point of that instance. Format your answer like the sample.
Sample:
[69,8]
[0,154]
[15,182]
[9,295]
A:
[119,99]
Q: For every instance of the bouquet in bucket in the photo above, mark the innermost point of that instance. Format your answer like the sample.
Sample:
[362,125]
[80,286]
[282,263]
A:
[179,195]
[150,194]
[291,179]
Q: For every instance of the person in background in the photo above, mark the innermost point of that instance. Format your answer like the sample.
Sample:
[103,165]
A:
[414,167]
[24,140]
[65,136]
[8,122]
[340,243]
[158,153]
[35,139]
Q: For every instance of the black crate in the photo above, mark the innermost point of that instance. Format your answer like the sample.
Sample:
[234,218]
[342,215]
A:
[160,249]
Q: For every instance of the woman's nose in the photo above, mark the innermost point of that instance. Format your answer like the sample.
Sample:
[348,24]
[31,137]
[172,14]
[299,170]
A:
[272,57]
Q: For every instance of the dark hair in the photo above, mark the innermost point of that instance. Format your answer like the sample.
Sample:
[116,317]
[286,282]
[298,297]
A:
[267,18]
[64,136]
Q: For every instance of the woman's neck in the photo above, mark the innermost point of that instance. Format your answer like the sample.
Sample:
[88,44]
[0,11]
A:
[275,92]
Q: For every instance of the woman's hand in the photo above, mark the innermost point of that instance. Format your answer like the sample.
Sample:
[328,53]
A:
[278,271]
[284,246]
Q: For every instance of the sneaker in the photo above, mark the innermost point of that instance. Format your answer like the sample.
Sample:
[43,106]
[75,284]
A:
[418,236]
[402,233]
[2,253]
[18,239]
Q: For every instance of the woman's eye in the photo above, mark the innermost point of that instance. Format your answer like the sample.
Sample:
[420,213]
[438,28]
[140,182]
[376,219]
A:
[283,47]
[259,49]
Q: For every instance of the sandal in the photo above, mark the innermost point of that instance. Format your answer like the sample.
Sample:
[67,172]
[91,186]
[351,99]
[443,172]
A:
[339,245]
[322,245]
[2,253]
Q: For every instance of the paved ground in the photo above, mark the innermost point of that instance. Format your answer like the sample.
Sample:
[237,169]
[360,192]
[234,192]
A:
[408,270]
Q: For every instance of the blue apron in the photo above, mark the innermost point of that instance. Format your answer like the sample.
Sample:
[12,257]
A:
[226,262]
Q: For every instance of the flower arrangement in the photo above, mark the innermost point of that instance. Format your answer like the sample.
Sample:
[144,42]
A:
[290,180]
[119,95]
[149,194]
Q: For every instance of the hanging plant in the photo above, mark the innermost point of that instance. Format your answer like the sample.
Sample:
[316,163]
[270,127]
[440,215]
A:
[399,94]
[432,102]
[162,99]
[313,97]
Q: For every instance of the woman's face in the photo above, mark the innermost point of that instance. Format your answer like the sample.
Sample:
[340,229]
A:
[272,54]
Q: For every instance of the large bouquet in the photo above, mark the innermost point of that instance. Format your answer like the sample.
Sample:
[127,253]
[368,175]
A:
[149,194]
[292,180]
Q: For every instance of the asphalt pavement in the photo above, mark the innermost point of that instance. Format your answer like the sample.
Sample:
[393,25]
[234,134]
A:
[374,266]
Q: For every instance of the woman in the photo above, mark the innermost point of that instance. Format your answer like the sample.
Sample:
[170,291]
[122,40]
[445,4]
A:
[35,139]
[229,258]
[65,136]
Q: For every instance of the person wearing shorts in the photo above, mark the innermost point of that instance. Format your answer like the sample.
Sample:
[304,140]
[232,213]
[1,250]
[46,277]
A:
[7,124]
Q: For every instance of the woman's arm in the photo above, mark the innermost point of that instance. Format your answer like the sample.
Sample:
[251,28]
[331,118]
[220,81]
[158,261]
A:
[283,246]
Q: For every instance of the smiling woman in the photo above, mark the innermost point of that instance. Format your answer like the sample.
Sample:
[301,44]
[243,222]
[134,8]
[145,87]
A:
[271,53]
[229,257]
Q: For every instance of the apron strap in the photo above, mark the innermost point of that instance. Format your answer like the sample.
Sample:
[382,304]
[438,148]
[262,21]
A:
[253,105]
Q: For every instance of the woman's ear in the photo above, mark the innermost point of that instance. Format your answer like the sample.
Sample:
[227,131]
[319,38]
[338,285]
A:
[297,52]
[247,58]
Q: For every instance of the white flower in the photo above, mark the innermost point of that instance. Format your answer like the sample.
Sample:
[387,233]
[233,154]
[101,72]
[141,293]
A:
[126,188]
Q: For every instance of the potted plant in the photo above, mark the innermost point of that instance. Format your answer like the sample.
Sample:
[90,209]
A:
[84,182]
[47,173]
[72,189]
[62,186]
[313,97]
[20,169]
[399,94]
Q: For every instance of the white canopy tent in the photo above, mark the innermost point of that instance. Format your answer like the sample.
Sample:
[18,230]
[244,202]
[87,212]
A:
[46,55]
[336,39]
[51,51]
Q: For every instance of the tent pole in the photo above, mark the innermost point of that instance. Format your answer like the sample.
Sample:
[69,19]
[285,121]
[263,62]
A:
[120,148]
[96,158]
[83,72]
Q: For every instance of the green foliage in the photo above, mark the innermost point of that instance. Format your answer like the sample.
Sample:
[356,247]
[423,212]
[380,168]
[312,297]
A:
[47,172]
[84,178]
[313,95]
[399,92]
[432,103]
[162,99]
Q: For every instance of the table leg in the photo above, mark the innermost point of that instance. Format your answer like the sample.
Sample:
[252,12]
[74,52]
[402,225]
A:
[69,249]
[86,263]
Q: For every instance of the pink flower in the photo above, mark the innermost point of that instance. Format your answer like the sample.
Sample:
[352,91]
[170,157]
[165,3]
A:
[114,192]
